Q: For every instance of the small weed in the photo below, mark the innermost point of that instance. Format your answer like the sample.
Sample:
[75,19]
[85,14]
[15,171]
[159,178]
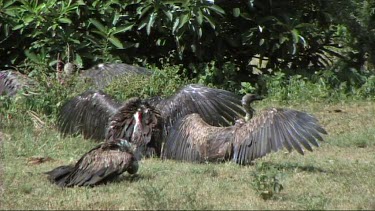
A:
[267,181]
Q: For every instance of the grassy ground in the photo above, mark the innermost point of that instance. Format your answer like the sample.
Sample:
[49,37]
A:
[338,175]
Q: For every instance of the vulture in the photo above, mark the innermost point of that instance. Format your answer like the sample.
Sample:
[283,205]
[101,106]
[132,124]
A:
[194,140]
[127,134]
[101,75]
[100,165]
[11,82]
[89,113]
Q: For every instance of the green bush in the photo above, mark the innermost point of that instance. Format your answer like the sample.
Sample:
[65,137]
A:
[41,102]
[162,82]
[213,41]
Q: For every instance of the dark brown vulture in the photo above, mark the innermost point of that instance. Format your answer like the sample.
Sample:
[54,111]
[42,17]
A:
[193,139]
[100,165]
[128,133]
[89,112]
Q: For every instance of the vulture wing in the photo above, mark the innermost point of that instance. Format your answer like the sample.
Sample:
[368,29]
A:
[192,139]
[274,129]
[216,106]
[87,113]
[101,75]
[101,164]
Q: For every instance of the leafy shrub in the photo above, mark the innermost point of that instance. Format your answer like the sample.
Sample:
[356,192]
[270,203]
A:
[163,82]
[44,100]
[329,85]
[196,34]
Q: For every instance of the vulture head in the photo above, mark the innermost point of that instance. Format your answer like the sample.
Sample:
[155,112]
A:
[134,121]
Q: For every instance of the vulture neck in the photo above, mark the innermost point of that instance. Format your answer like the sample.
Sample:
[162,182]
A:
[246,104]
[249,112]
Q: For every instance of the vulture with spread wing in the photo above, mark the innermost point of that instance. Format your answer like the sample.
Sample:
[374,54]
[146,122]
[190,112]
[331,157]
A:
[193,139]
[127,135]
[89,112]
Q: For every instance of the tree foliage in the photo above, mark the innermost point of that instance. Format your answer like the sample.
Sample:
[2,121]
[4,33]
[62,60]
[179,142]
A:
[283,34]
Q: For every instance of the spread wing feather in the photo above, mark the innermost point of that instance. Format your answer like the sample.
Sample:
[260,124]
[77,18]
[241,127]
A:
[274,129]
[216,106]
[88,114]
[192,139]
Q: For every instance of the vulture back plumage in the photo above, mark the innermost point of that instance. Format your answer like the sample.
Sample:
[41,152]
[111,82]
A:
[192,139]
[102,75]
[101,164]
[12,81]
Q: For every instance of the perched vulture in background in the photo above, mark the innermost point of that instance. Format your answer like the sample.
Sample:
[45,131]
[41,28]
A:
[193,139]
[100,165]
[89,113]
[102,75]
[128,133]
[12,81]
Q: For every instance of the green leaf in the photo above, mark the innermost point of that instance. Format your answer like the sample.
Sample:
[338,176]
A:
[142,24]
[78,61]
[236,12]
[150,23]
[17,27]
[175,24]
[295,35]
[143,11]
[100,33]
[28,19]
[65,20]
[116,17]
[184,18]
[199,32]
[211,21]
[261,42]
[282,39]
[123,28]
[169,15]
[200,17]
[116,42]
[217,9]
[32,56]
[98,25]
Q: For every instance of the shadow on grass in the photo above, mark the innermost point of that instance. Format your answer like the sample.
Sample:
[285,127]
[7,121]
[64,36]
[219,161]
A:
[295,166]
[132,178]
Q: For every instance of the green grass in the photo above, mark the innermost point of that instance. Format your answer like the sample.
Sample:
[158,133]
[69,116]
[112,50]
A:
[338,175]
